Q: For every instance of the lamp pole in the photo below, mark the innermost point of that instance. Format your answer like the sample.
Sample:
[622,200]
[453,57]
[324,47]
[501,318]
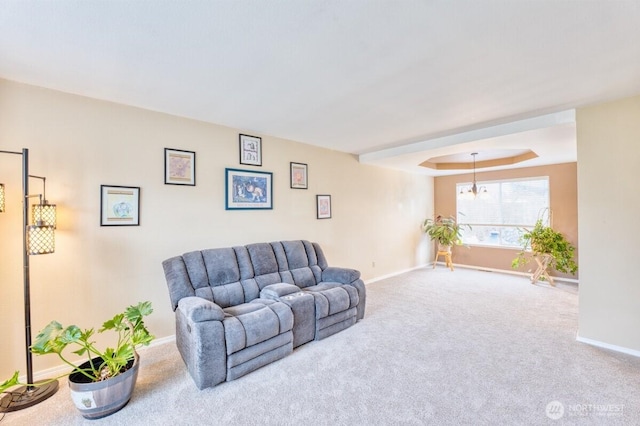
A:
[26,396]
[25,262]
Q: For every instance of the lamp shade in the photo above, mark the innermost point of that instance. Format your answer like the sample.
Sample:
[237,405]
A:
[41,239]
[45,213]
[1,197]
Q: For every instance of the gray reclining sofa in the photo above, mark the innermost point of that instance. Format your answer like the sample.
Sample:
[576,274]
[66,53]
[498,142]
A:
[240,308]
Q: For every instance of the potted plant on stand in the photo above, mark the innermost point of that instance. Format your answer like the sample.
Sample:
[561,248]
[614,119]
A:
[549,249]
[104,383]
[446,232]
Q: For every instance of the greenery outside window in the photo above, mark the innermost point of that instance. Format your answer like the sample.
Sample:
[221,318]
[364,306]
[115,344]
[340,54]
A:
[497,217]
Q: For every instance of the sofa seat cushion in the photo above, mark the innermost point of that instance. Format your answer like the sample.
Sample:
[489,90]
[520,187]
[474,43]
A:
[249,324]
[332,298]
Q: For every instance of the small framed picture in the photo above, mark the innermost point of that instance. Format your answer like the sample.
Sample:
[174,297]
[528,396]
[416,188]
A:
[298,175]
[119,205]
[247,189]
[179,167]
[250,150]
[323,204]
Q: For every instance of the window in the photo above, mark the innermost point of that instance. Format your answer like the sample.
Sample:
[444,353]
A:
[498,216]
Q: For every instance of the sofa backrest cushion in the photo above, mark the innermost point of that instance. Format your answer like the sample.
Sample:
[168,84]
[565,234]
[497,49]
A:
[263,259]
[232,276]
[303,263]
[215,275]
[296,254]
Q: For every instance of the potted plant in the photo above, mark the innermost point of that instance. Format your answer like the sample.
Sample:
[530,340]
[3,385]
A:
[104,383]
[549,249]
[445,231]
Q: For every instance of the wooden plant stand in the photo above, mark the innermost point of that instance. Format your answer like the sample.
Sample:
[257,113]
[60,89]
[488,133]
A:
[543,261]
[447,259]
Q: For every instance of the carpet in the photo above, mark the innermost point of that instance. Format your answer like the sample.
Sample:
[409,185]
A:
[435,347]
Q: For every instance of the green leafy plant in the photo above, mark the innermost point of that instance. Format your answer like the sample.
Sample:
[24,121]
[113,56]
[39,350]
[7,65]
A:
[542,239]
[444,230]
[130,331]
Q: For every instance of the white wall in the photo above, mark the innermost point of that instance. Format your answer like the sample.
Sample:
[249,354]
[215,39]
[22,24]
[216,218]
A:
[80,143]
[608,206]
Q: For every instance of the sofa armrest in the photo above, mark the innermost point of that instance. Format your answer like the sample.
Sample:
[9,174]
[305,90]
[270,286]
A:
[198,309]
[340,275]
[276,291]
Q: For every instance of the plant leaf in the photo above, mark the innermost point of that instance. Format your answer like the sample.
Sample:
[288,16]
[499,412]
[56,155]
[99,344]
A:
[47,340]
[13,381]
[113,324]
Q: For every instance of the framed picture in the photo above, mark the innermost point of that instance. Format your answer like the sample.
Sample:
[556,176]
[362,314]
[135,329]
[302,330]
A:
[323,204]
[298,175]
[246,189]
[250,150]
[119,205]
[179,167]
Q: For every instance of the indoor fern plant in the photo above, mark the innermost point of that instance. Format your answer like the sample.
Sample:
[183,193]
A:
[544,240]
[130,333]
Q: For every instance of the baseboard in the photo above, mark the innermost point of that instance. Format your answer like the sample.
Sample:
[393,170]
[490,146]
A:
[608,346]
[460,265]
[506,271]
[384,277]
[64,368]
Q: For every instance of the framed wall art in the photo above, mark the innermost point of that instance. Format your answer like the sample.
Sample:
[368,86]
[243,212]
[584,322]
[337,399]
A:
[298,174]
[250,150]
[119,205]
[179,167]
[323,205]
[247,189]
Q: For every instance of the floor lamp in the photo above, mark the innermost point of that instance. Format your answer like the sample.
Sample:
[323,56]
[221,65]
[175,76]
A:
[36,239]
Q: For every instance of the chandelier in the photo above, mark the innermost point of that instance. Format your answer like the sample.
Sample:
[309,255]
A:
[472,192]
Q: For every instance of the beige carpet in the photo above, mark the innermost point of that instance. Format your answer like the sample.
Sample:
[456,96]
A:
[435,347]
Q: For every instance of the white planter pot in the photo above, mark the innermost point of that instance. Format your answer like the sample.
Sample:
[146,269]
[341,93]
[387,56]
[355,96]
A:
[100,399]
[442,247]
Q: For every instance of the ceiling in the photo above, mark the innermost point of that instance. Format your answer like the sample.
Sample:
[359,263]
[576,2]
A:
[393,82]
